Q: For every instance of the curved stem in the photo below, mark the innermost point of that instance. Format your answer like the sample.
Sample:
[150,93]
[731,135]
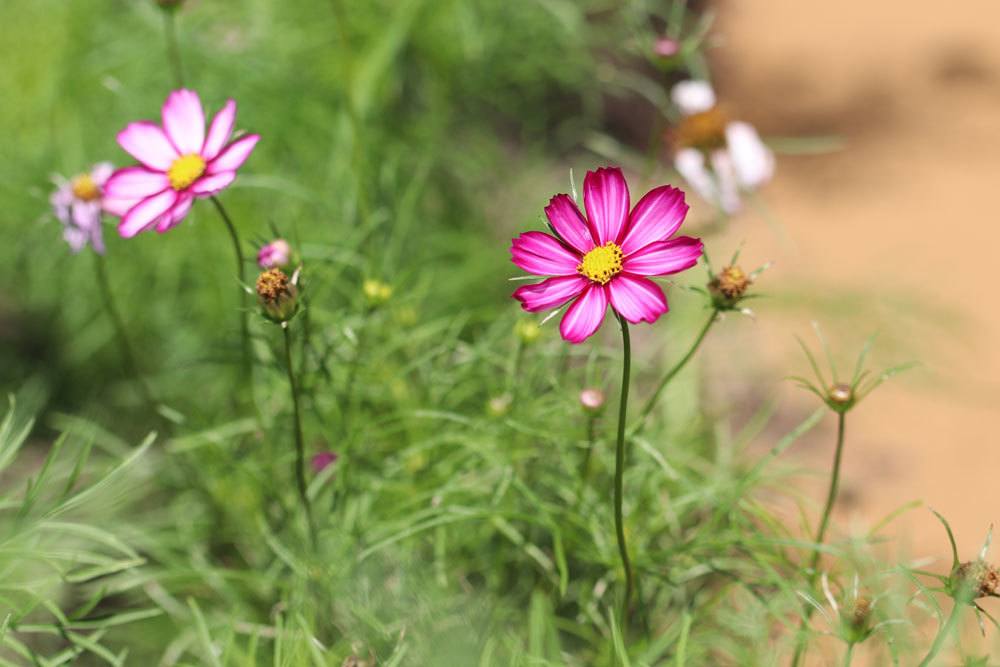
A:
[240,272]
[300,450]
[173,50]
[128,356]
[647,408]
[831,497]
[620,469]
[944,632]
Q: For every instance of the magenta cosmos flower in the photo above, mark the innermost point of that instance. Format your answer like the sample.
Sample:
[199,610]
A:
[178,162]
[78,204]
[607,256]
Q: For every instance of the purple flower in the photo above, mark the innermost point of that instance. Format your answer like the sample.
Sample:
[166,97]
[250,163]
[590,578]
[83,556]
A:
[78,204]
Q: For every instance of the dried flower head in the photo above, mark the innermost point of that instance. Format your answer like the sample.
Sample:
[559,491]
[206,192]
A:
[277,295]
[728,287]
[980,576]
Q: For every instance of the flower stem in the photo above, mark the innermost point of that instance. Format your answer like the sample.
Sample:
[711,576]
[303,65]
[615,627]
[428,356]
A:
[681,363]
[173,50]
[620,468]
[300,452]
[831,498]
[849,656]
[128,356]
[244,325]
[944,632]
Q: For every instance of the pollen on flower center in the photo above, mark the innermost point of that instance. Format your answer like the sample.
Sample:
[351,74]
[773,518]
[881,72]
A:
[85,189]
[186,170]
[602,263]
[705,130]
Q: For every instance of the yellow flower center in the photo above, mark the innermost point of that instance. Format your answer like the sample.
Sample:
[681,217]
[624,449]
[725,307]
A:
[186,170]
[602,263]
[85,189]
[705,130]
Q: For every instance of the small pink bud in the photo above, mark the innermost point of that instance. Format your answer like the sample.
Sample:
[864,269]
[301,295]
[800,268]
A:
[322,460]
[592,400]
[277,253]
[666,47]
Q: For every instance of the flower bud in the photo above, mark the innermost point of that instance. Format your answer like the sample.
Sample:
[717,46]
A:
[840,397]
[527,331]
[666,47]
[277,253]
[322,460]
[376,292]
[498,406]
[729,287]
[592,400]
[277,295]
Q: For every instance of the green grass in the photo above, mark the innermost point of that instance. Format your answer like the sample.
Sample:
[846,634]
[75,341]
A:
[405,141]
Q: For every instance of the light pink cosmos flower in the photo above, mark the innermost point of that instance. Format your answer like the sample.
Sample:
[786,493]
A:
[77,204]
[277,253]
[178,162]
[717,156]
[606,256]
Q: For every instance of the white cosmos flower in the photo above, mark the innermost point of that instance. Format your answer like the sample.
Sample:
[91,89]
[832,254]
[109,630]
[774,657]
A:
[719,167]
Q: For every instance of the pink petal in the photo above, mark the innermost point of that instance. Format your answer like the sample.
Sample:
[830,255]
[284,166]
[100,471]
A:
[147,143]
[655,218]
[86,214]
[209,185]
[690,163]
[729,187]
[692,97]
[220,130]
[569,223]
[665,257]
[101,172]
[605,196]
[550,293]
[539,253]
[584,317]
[176,213]
[118,207]
[752,159]
[141,216]
[184,121]
[135,183]
[637,299]
[234,155]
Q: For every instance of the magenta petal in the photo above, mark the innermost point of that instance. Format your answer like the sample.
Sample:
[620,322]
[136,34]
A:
[135,183]
[584,317]
[569,223]
[184,121]
[550,293]
[637,299]
[209,185]
[665,257]
[234,155]
[141,216]
[148,144]
[220,130]
[655,218]
[177,212]
[539,253]
[605,196]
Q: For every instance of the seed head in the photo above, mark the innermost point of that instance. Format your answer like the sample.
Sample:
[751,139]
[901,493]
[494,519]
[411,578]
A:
[981,576]
[277,295]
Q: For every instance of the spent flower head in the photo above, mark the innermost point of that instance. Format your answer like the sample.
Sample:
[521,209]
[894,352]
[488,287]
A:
[606,257]
[969,580]
[277,253]
[728,288]
[277,295]
[179,162]
[851,614]
[842,394]
[78,204]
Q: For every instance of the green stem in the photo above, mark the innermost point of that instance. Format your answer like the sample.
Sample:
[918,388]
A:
[620,469]
[300,450]
[585,464]
[240,272]
[849,656]
[831,497]
[173,50]
[681,363]
[128,356]
[944,632]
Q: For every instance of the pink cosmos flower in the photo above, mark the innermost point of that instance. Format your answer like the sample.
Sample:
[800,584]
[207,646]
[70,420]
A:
[606,256]
[717,156]
[277,253]
[78,204]
[178,162]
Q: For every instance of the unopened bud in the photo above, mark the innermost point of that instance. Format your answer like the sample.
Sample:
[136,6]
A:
[666,47]
[277,253]
[729,287]
[277,295]
[498,406]
[840,397]
[322,460]
[592,400]
[376,292]
[528,331]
